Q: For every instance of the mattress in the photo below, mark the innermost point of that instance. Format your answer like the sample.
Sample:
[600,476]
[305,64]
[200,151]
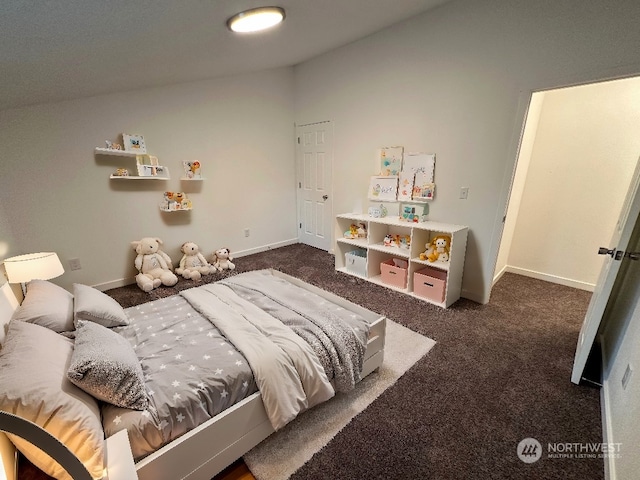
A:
[193,371]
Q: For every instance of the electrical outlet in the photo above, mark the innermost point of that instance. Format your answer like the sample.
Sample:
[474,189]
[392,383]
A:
[74,264]
[627,376]
[246,232]
[464,193]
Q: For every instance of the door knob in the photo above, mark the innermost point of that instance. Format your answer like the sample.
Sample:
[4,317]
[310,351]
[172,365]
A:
[324,197]
[606,251]
[617,254]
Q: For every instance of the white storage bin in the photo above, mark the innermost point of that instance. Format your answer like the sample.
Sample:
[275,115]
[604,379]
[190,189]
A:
[356,262]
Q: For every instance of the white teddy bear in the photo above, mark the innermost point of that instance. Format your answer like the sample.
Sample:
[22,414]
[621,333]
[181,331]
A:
[193,264]
[223,259]
[153,265]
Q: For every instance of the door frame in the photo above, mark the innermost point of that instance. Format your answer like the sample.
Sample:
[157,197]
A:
[605,282]
[298,179]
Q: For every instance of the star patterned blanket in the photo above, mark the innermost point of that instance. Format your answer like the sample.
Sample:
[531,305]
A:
[211,346]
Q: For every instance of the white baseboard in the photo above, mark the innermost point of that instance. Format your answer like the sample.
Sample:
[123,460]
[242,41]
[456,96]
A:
[499,275]
[271,246]
[590,287]
[122,282]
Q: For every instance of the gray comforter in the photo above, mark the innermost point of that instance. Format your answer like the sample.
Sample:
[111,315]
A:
[211,346]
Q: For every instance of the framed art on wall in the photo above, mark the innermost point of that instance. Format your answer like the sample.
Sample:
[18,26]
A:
[134,143]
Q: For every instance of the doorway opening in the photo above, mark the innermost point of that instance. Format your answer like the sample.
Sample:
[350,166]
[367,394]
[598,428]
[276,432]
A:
[576,159]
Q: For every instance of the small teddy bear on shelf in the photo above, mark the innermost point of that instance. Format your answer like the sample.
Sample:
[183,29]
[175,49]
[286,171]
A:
[193,264]
[223,259]
[153,265]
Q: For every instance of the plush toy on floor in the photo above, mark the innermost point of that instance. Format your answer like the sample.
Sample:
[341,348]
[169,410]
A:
[153,265]
[223,259]
[193,264]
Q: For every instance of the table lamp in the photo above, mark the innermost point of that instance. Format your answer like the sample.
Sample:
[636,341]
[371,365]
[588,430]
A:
[33,266]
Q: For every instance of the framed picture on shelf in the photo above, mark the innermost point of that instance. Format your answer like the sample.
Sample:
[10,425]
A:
[192,169]
[383,189]
[391,160]
[405,186]
[423,189]
[134,143]
[419,162]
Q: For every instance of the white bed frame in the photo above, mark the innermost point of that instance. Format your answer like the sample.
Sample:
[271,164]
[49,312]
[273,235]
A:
[205,451]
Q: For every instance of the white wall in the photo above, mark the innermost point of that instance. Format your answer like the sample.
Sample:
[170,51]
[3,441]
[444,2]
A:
[585,151]
[519,181]
[57,195]
[456,81]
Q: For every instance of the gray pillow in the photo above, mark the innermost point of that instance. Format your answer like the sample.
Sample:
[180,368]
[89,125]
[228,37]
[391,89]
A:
[34,386]
[48,305]
[95,306]
[105,365]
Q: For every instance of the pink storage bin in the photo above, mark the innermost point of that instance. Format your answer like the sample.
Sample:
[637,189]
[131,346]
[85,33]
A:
[430,283]
[395,275]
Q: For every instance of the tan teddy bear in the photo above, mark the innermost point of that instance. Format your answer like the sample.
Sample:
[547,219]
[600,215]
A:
[193,264]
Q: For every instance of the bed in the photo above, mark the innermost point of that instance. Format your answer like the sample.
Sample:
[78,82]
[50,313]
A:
[203,386]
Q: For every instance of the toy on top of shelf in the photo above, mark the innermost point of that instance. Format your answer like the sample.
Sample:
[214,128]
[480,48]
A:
[112,146]
[388,240]
[362,230]
[121,172]
[378,212]
[175,201]
[154,266]
[352,232]
[223,259]
[437,250]
[193,264]
[192,169]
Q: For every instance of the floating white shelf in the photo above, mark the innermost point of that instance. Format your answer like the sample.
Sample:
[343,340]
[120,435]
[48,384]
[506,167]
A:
[117,153]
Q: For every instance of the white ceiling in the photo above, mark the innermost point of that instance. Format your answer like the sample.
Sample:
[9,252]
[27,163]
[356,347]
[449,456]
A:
[53,50]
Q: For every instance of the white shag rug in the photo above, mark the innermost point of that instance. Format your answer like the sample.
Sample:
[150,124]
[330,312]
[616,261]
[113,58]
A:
[285,451]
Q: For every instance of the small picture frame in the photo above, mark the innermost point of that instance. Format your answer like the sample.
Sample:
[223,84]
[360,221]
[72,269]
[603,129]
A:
[192,169]
[383,188]
[391,161]
[405,185]
[134,143]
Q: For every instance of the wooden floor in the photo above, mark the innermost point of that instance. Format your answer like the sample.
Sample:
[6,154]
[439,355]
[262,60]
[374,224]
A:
[235,471]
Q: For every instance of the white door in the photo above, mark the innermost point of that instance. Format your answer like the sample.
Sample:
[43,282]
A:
[314,158]
[615,253]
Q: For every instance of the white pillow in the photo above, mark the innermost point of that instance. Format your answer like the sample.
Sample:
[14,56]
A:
[95,306]
[48,305]
[34,386]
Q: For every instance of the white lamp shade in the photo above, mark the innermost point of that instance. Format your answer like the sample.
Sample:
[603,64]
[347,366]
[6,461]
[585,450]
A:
[33,266]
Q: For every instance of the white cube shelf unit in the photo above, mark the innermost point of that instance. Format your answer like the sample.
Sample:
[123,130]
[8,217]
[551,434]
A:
[420,234]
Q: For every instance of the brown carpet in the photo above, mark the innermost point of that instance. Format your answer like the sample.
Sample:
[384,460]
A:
[499,373]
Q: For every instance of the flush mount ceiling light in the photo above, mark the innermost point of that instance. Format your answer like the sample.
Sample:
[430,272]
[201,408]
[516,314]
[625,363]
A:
[256,19]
